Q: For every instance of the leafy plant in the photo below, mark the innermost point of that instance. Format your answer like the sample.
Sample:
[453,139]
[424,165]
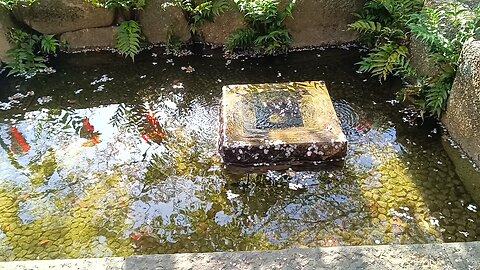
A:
[266,32]
[199,13]
[174,43]
[29,54]
[128,39]
[444,29]
[125,4]
[10,4]
[388,24]
[384,25]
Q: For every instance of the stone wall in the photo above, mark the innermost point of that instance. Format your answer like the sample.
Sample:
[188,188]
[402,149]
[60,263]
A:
[462,117]
[159,23]
[6,24]
[321,22]
[419,51]
[60,16]
[83,26]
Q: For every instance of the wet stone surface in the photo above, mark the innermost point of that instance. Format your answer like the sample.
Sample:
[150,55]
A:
[264,124]
[124,161]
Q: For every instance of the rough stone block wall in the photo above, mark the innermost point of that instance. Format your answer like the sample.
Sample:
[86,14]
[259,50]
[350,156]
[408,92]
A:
[6,24]
[462,118]
[60,16]
[321,22]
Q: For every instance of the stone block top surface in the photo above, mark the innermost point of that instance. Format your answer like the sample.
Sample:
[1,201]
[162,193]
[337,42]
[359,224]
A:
[292,115]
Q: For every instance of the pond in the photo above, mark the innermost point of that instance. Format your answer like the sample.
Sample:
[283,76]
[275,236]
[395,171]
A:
[106,157]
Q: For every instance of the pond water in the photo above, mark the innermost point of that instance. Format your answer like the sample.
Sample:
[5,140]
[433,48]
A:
[111,158]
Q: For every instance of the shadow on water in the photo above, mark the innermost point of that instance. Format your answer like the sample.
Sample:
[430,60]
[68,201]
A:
[110,158]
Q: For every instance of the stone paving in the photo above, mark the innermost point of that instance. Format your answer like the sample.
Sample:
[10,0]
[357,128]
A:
[428,256]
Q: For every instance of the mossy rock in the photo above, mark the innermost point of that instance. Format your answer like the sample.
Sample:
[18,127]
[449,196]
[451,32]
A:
[60,16]
[224,25]
[158,23]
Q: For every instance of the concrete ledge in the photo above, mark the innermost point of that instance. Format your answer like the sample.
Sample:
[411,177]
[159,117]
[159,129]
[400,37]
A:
[77,264]
[428,256]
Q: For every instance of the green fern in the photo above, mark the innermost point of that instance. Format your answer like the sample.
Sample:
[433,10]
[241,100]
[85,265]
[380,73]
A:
[366,26]
[206,12]
[128,39]
[385,60]
[266,33]
[50,44]
[201,13]
[29,54]
[112,4]
[444,29]
[274,42]
[242,39]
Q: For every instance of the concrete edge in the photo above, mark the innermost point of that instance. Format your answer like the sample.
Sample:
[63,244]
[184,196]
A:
[422,256]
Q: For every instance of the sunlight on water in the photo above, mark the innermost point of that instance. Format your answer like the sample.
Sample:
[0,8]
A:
[97,173]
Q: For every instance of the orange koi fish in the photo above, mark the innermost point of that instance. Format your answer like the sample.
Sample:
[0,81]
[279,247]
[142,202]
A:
[154,131]
[88,132]
[18,142]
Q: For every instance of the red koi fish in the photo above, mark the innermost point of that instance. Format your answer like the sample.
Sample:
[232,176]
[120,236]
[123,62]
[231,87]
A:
[364,125]
[18,142]
[154,131]
[88,132]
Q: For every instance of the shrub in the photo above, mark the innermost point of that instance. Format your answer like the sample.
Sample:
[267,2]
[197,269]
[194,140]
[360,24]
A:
[444,29]
[387,26]
[125,4]
[266,32]
[29,54]
[199,13]
[383,24]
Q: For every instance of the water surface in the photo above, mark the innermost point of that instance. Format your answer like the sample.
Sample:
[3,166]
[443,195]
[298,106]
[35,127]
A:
[111,158]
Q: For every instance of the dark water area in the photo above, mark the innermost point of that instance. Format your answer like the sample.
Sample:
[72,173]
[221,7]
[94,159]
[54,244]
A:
[106,157]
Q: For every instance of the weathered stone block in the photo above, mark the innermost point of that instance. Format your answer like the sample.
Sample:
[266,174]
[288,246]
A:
[6,24]
[462,117]
[420,61]
[158,22]
[223,26]
[320,22]
[91,38]
[279,123]
[60,16]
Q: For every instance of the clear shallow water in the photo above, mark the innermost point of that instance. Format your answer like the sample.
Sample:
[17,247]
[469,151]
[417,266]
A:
[142,175]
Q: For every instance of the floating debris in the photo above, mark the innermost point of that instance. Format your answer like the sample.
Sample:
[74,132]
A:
[102,79]
[188,69]
[44,100]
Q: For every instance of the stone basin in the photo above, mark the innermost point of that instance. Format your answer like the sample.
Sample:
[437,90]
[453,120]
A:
[279,123]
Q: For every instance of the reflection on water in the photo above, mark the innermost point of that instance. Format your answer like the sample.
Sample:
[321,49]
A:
[125,161]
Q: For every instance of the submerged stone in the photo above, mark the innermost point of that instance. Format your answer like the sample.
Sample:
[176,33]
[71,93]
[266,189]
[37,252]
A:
[264,124]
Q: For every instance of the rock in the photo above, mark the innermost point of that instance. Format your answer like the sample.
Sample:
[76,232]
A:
[91,38]
[60,16]
[321,22]
[279,123]
[419,50]
[6,23]
[462,118]
[223,26]
[420,60]
[159,23]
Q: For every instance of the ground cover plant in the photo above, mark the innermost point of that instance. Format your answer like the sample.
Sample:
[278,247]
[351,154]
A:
[30,52]
[266,32]
[199,12]
[388,26]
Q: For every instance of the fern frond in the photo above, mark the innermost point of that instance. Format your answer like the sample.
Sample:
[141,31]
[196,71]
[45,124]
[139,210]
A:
[242,39]
[385,60]
[128,39]
[364,27]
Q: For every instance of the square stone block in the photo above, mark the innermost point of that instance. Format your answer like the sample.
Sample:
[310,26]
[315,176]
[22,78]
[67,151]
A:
[279,123]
